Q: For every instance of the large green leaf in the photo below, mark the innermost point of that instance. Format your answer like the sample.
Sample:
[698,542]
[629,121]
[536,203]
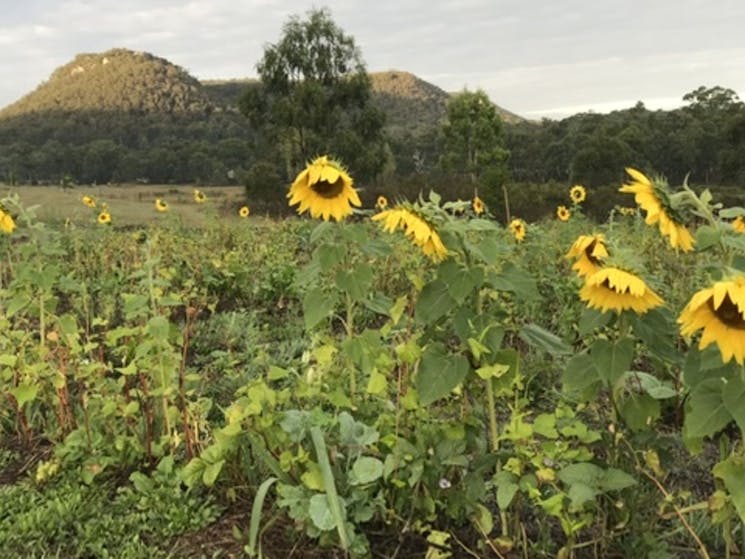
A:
[329,255]
[705,410]
[540,338]
[355,282]
[439,372]
[580,378]
[733,398]
[518,281]
[317,305]
[24,393]
[320,513]
[365,469]
[640,411]
[707,236]
[657,330]
[612,359]
[434,302]
[732,472]
[591,320]
[460,281]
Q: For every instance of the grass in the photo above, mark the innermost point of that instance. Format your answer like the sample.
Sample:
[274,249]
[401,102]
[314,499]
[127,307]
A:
[131,204]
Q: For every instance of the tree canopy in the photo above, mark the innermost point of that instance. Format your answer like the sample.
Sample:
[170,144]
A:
[473,142]
[315,98]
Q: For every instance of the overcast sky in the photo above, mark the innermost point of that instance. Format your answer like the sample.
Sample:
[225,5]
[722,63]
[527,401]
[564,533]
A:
[534,57]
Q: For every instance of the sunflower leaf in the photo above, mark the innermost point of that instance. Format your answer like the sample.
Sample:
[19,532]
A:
[729,213]
[518,281]
[591,320]
[705,410]
[612,360]
[439,372]
[317,305]
[732,472]
[707,236]
[541,338]
[734,399]
[434,302]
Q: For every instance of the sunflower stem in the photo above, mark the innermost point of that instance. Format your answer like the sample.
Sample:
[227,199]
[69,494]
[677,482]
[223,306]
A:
[349,327]
[493,431]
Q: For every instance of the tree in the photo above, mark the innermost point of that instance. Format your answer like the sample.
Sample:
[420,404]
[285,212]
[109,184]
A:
[315,98]
[473,143]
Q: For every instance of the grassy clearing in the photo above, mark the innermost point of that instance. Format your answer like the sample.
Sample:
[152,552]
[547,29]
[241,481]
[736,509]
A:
[132,204]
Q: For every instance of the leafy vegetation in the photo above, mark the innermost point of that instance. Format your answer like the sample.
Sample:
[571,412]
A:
[425,382]
[365,393]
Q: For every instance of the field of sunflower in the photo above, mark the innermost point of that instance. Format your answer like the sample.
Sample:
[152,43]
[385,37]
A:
[417,381]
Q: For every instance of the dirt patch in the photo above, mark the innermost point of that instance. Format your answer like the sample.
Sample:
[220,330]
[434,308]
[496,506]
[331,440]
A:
[24,459]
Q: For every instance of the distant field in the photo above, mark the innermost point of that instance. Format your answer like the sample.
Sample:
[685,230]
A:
[131,204]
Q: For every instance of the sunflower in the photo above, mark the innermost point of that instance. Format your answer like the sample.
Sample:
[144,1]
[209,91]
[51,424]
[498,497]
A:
[589,252]
[613,289]
[563,213]
[739,224]
[89,201]
[577,193]
[419,231]
[161,205]
[381,203]
[720,311]
[104,218]
[651,197]
[478,205]
[517,226]
[244,211]
[325,189]
[7,225]
[199,197]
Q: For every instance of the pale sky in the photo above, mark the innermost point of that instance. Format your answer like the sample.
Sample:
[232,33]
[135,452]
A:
[536,58]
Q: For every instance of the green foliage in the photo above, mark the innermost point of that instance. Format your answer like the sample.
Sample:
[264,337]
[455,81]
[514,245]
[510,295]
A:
[473,144]
[68,519]
[314,98]
[344,383]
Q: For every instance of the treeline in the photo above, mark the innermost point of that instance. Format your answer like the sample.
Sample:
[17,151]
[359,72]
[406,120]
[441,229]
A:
[86,147]
[705,139]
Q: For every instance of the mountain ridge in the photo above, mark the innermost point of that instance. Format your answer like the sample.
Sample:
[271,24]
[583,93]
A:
[134,81]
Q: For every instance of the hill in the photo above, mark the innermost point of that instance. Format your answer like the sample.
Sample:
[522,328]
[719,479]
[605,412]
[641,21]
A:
[122,115]
[411,104]
[118,79]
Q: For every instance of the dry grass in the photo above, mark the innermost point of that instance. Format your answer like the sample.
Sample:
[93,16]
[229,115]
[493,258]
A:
[131,204]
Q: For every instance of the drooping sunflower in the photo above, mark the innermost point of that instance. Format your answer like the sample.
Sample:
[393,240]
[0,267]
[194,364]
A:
[613,289]
[563,213]
[739,224]
[381,203]
[199,196]
[419,230]
[244,211]
[89,201]
[652,197]
[161,205]
[720,311]
[517,226]
[478,205]
[324,188]
[104,218]
[578,194]
[589,251]
[7,224]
